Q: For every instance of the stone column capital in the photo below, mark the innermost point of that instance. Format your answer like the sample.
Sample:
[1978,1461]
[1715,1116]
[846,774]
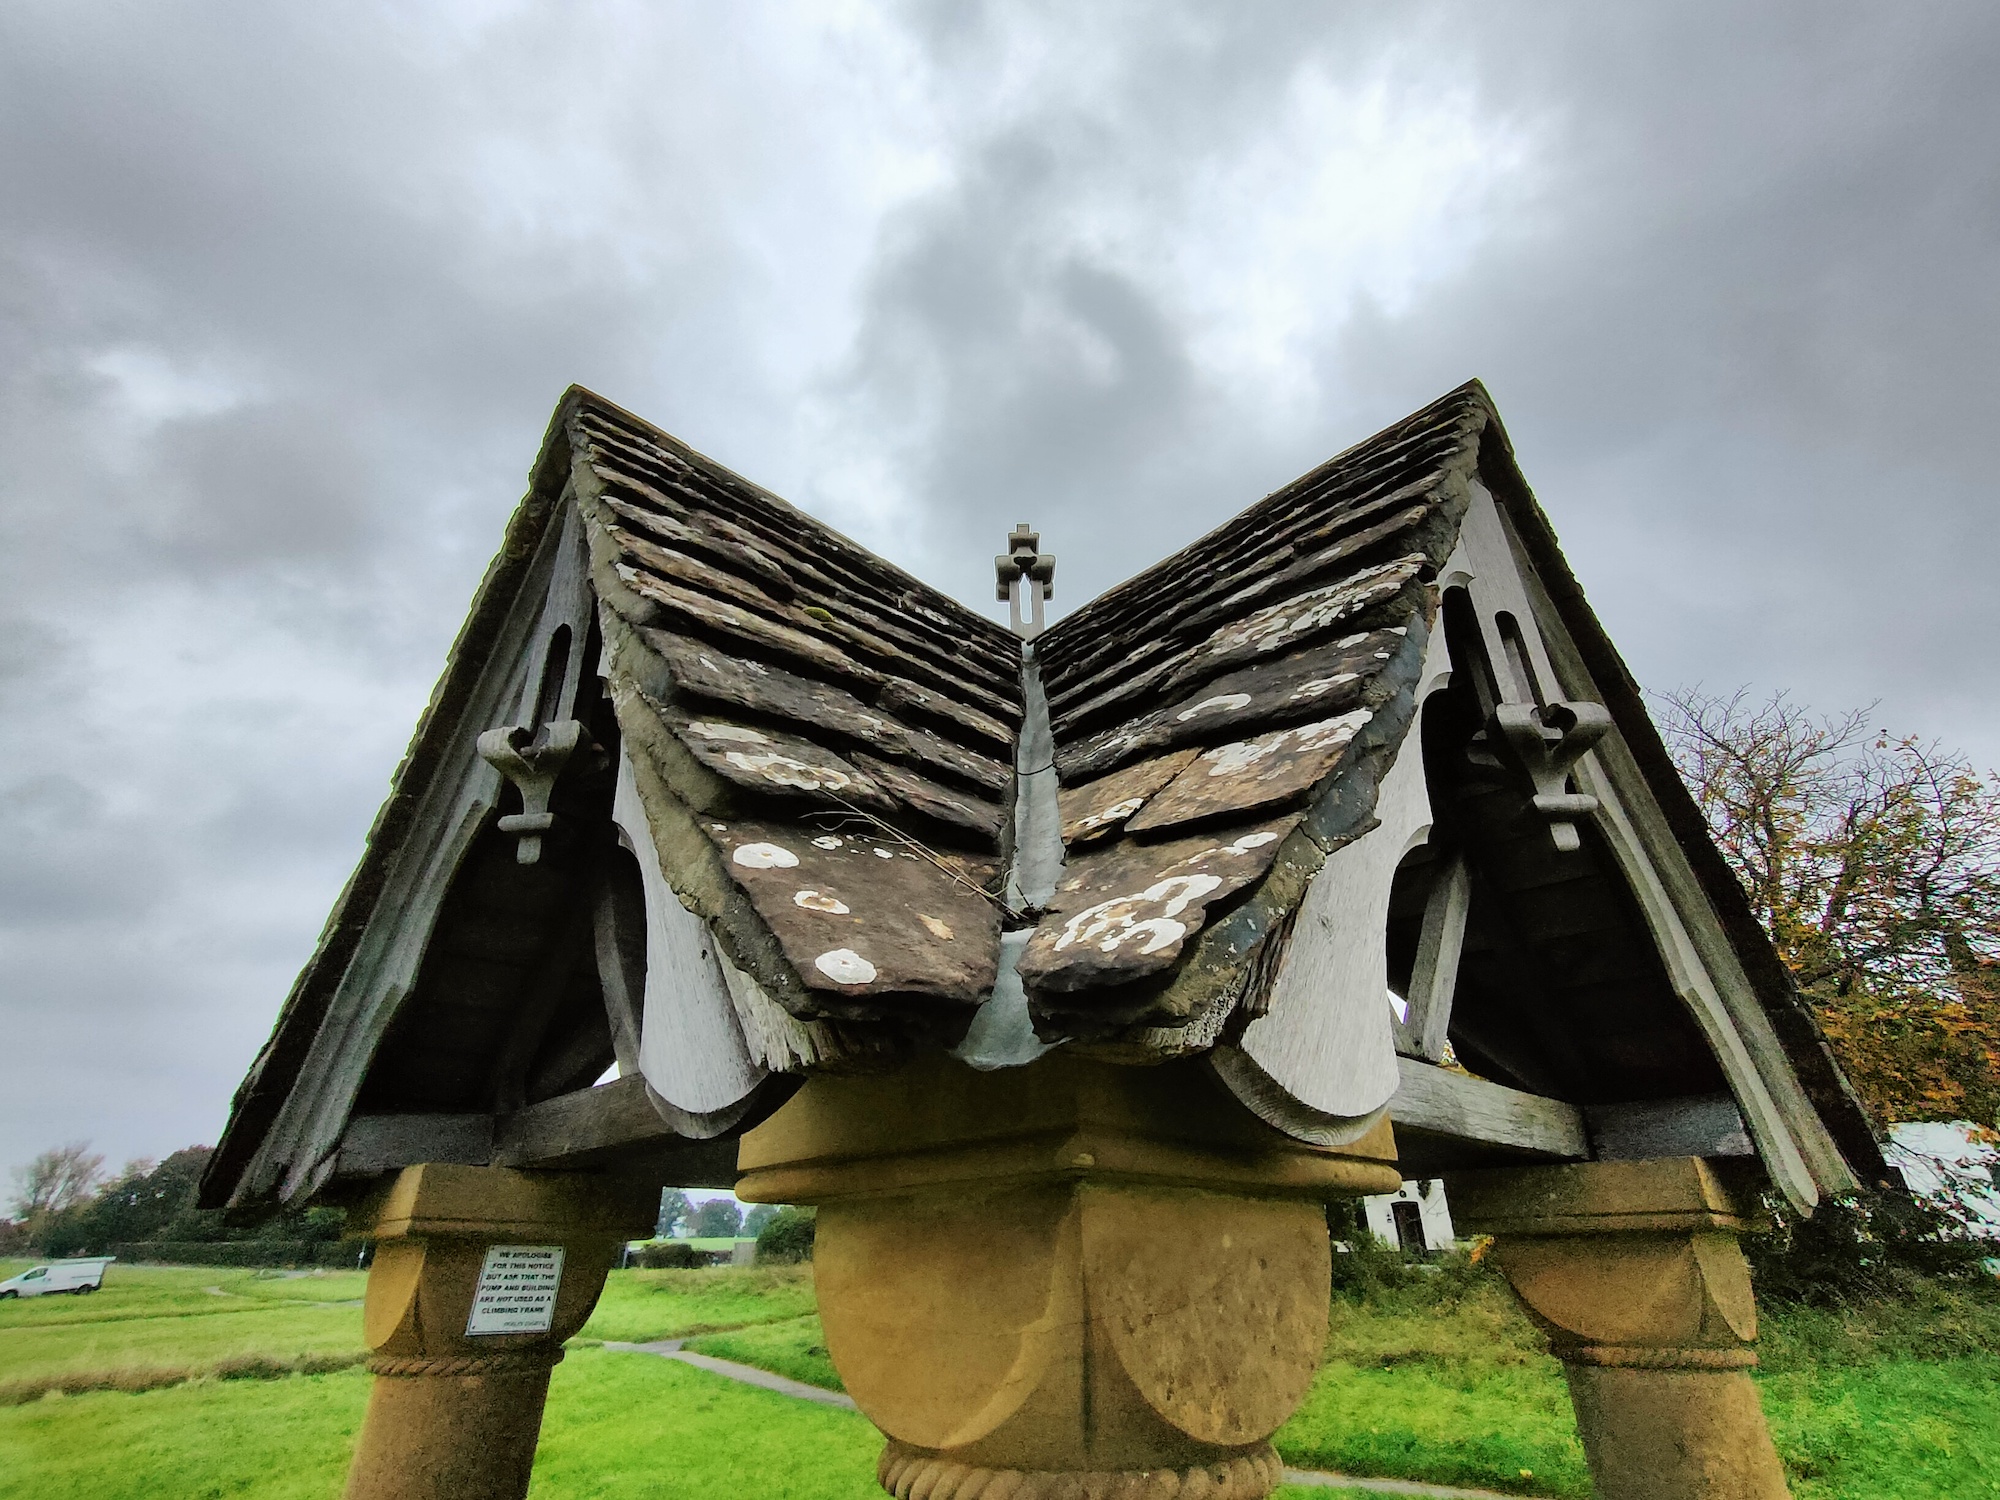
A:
[455,1412]
[1667,1195]
[1068,1279]
[1633,1271]
[1622,1263]
[501,1203]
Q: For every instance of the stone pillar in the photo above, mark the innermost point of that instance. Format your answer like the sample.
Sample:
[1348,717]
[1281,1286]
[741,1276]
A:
[455,1411]
[1634,1271]
[1071,1279]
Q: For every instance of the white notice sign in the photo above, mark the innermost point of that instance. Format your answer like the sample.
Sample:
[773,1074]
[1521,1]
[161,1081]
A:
[517,1290]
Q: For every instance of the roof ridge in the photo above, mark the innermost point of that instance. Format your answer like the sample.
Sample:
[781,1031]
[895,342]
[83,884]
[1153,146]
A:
[1469,394]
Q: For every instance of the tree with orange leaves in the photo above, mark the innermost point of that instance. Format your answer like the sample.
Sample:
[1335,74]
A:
[1874,863]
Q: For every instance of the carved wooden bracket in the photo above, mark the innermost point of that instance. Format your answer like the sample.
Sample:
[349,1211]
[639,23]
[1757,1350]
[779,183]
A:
[1540,746]
[532,759]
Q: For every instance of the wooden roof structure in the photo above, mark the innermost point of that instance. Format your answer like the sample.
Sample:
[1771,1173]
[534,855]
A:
[1352,797]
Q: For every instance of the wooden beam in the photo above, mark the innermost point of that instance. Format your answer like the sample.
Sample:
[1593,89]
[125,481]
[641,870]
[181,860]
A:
[605,1125]
[619,929]
[1445,1119]
[1701,1125]
[613,1126]
[385,1143]
[1434,976]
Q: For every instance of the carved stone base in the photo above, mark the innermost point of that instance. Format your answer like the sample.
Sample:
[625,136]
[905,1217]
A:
[905,1472]
[1070,1279]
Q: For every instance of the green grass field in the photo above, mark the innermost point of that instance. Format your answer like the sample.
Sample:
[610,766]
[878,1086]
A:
[1440,1382]
[639,1306]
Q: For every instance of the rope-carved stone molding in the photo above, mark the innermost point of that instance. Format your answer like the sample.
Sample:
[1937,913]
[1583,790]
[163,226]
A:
[1637,1357]
[911,1474]
[501,1362]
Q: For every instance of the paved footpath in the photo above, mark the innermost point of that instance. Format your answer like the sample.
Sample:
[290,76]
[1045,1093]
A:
[748,1374]
[751,1375]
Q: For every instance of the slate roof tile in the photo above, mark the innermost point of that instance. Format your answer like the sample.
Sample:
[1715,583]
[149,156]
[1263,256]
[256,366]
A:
[1124,913]
[837,729]
[1253,667]
[869,925]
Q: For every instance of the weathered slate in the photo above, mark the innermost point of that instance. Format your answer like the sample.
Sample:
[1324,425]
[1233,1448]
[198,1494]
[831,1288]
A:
[860,916]
[865,607]
[922,795]
[1328,678]
[709,672]
[1313,565]
[660,496]
[1255,574]
[1132,683]
[1128,911]
[1176,665]
[772,540]
[706,613]
[695,536]
[903,697]
[1281,627]
[811,617]
[684,568]
[1281,766]
[778,765]
[1368,504]
[1303,519]
[1097,808]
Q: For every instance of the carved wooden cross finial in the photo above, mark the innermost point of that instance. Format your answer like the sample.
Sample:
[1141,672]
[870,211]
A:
[1025,568]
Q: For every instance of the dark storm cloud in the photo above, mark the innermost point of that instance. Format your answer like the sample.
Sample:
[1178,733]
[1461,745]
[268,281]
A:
[286,298]
[1737,307]
[1743,342]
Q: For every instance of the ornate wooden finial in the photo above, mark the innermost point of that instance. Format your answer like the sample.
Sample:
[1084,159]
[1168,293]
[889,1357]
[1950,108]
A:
[1025,568]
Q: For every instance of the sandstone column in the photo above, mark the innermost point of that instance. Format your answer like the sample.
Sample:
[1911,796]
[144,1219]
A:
[456,1409]
[1634,1271]
[1068,1279]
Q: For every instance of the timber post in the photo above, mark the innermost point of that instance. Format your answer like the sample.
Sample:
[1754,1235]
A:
[1634,1271]
[480,1273]
[1069,1278]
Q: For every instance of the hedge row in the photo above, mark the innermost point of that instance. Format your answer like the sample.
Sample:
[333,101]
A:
[333,1253]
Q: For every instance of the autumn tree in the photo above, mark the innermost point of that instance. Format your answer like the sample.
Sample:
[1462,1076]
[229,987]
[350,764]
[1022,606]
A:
[60,1178]
[1874,863]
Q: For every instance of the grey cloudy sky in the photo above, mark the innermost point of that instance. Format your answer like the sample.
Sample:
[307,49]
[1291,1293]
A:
[287,294]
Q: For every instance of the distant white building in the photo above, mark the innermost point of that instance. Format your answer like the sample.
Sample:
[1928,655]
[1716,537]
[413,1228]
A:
[1414,1218]
[1946,1162]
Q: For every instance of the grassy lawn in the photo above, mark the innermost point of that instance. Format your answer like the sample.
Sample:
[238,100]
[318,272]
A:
[639,1306]
[1440,1380]
[160,1318]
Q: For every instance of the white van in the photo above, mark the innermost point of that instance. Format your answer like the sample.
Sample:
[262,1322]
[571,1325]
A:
[85,1274]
